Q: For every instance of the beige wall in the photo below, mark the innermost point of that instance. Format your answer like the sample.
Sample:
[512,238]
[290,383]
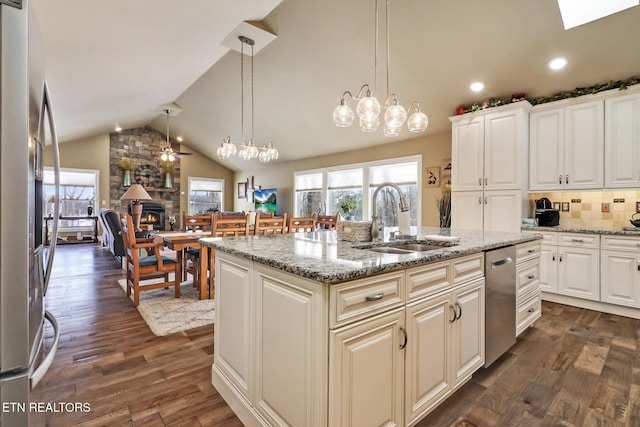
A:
[93,153]
[201,167]
[433,148]
[89,153]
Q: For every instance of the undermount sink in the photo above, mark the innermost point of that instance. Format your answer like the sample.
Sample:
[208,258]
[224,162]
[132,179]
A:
[417,247]
[405,248]
[389,250]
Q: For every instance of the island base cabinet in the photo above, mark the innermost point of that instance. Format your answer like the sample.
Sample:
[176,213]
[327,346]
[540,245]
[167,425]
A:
[290,341]
[445,346]
[367,372]
[232,348]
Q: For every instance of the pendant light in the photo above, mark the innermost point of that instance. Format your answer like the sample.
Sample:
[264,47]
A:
[369,108]
[167,153]
[247,150]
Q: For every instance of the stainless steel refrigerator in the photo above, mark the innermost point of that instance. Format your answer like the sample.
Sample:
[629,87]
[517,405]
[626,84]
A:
[26,125]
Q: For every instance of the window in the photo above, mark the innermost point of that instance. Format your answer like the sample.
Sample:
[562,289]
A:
[325,190]
[405,176]
[205,195]
[344,186]
[308,194]
[78,191]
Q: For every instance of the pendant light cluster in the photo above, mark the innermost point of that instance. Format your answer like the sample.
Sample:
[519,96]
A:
[369,108]
[246,150]
[167,153]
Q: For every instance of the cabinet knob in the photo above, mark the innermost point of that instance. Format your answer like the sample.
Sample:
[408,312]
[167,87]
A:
[531,251]
[531,276]
[479,181]
[560,179]
[578,240]
[566,179]
[531,310]
[486,181]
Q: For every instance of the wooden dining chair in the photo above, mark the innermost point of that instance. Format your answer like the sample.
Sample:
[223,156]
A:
[270,225]
[231,225]
[302,224]
[144,268]
[327,222]
[190,258]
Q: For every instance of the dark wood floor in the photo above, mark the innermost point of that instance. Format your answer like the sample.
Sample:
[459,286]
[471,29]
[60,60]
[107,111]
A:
[573,368]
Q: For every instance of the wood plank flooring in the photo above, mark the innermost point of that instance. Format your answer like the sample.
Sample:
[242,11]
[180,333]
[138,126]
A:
[575,367]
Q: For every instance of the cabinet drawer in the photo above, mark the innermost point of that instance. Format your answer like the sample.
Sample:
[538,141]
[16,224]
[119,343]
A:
[527,276]
[528,312]
[579,240]
[358,299]
[467,268]
[548,237]
[425,280]
[621,242]
[526,251]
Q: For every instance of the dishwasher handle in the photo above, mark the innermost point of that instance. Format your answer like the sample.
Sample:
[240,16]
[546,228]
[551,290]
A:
[501,262]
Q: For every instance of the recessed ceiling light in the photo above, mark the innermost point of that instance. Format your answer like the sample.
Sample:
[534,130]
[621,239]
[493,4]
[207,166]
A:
[557,63]
[118,129]
[179,139]
[476,86]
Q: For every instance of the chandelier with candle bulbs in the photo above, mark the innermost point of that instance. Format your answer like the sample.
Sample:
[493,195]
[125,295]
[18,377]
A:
[369,108]
[246,150]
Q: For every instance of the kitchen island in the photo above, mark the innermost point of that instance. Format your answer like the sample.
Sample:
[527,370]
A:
[312,331]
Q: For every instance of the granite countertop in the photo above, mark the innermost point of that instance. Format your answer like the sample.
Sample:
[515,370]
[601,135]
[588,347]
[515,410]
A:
[321,257]
[626,231]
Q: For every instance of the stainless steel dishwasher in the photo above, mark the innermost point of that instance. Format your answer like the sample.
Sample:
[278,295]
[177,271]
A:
[500,305]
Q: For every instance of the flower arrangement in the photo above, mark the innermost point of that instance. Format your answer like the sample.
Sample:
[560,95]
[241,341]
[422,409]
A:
[348,206]
[126,164]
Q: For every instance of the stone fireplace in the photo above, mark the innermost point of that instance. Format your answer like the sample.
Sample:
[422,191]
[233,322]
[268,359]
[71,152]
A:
[152,214]
[143,146]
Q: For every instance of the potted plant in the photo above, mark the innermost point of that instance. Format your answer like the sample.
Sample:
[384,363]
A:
[126,164]
[168,168]
[348,206]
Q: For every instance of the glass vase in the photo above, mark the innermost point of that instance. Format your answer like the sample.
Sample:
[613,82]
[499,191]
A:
[127,178]
[167,180]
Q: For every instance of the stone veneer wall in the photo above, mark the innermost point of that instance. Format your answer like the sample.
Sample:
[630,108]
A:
[143,145]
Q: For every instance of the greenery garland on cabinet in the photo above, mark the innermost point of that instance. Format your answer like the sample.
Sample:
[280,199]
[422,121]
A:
[579,91]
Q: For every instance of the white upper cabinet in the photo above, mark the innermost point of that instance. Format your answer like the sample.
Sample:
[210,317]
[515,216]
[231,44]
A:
[489,149]
[566,147]
[622,141]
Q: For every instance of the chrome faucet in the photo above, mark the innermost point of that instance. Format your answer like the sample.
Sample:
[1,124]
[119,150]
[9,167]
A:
[404,206]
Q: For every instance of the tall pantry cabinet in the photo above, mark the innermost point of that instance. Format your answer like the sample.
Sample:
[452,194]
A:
[489,176]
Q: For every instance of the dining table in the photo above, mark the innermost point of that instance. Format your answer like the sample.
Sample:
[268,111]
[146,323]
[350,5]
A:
[180,241]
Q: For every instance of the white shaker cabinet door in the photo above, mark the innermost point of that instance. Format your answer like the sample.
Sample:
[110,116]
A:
[546,170]
[622,142]
[468,151]
[620,278]
[366,372]
[584,145]
[578,272]
[467,209]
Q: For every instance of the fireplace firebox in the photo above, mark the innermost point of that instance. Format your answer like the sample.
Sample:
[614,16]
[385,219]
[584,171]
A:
[152,213]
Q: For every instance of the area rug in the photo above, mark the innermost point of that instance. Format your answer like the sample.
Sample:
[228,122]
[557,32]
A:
[165,314]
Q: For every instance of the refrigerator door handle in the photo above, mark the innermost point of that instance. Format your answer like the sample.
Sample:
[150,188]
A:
[42,369]
[46,109]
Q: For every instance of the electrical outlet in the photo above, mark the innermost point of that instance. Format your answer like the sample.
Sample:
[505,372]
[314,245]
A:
[606,207]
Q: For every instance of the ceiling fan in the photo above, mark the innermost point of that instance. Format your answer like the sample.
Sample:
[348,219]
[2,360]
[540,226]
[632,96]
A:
[167,153]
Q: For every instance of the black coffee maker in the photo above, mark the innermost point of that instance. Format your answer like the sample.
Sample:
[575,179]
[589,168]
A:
[546,216]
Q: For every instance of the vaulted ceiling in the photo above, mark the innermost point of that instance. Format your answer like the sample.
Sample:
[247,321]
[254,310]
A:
[116,63]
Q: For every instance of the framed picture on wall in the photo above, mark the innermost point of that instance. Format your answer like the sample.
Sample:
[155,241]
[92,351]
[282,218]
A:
[242,190]
[431,178]
[445,173]
[250,182]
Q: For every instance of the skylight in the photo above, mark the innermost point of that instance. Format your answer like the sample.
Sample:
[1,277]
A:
[579,12]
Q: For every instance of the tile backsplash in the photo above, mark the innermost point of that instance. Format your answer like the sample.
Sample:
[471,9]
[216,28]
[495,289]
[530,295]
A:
[585,208]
